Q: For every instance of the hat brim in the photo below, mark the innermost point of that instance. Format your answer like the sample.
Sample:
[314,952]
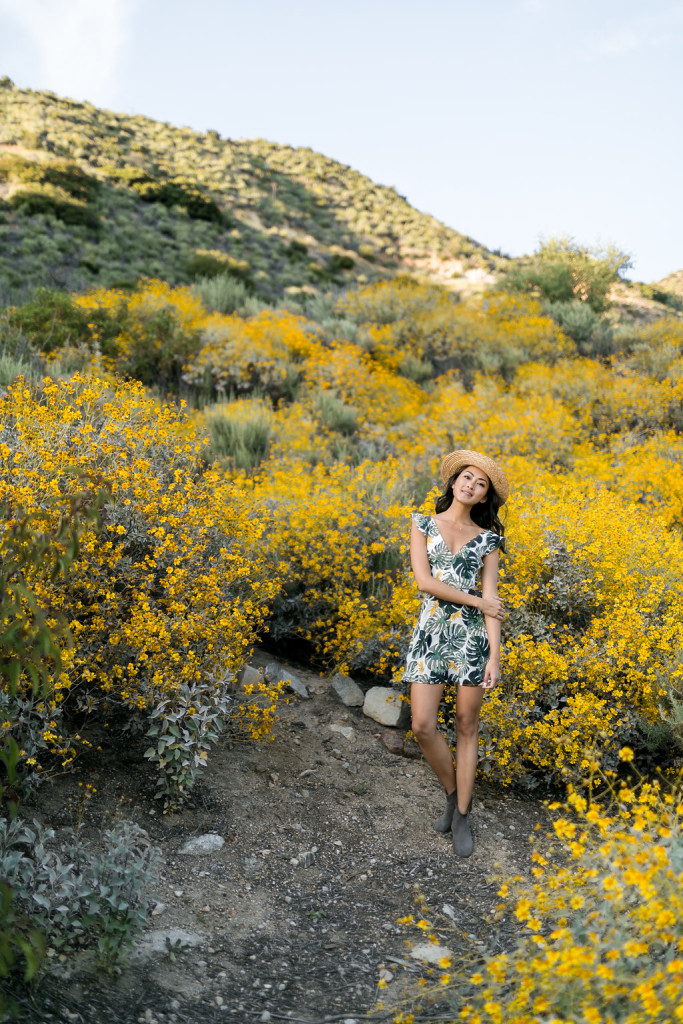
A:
[462,458]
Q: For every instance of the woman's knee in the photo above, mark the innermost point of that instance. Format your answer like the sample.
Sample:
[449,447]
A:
[424,728]
[467,724]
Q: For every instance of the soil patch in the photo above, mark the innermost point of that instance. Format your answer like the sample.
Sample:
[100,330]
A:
[328,840]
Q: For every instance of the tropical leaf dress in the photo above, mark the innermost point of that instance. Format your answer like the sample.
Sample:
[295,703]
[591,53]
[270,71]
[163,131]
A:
[450,643]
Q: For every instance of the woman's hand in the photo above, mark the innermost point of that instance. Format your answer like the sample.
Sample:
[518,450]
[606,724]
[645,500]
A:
[493,606]
[491,674]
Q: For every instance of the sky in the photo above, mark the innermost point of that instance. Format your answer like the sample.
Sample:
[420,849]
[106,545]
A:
[510,120]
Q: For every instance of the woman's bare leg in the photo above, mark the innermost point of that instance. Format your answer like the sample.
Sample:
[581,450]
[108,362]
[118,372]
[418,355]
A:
[467,741]
[424,704]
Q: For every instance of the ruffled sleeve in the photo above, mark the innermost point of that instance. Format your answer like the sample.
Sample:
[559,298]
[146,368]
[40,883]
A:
[422,522]
[493,541]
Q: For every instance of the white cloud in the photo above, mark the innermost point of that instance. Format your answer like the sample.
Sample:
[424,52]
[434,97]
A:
[646,32]
[79,42]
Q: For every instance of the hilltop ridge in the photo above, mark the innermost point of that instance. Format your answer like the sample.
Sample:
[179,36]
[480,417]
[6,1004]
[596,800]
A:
[89,196]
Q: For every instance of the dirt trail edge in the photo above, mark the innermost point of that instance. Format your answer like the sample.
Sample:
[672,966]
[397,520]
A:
[326,837]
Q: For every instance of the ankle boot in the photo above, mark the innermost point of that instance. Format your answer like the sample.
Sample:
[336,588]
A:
[443,824]
[462,835]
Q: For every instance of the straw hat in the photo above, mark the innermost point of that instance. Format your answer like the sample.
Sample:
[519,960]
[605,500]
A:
[460,459]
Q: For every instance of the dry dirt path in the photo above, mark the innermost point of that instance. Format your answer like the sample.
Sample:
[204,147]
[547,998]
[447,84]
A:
[328,839]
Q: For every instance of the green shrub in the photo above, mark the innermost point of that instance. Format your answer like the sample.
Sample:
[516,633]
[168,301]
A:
[222,293]
[577,319]
[41,201]
[214,263]
[563,271]
[77,893]
[12,366]
[339,261]
[296,251]
[50,321]
[241,432]
[62,174]
[199,206]
[336,415]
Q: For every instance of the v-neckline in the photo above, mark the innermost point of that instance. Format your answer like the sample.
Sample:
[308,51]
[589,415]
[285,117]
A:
[462,546]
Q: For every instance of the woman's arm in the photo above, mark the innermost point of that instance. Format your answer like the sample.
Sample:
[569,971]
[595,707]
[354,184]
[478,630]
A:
[489,586]
[490,605]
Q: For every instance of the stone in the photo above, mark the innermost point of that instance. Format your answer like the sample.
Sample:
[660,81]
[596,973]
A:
[158,909]
[385,706]
[208,843]
[275,673]
[429,953]
[348,692]
[160,940]
[393,741]
[250,676]
[272,671]
[294,684]
[344,730]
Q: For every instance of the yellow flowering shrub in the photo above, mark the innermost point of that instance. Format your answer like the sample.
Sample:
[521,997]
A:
[338,442]
[497,332]
[593,588]
[602,921]
[171,595]
[149,334]
[608,398]
[267,352]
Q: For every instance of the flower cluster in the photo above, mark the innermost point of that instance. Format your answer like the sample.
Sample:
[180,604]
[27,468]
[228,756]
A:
[172,591]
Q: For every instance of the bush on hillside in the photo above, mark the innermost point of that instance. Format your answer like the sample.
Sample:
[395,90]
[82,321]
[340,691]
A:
[428,325]
[576,318]
[207,263]
[198,204]
[563,271]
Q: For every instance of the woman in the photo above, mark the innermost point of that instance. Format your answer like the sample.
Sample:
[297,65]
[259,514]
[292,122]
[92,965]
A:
[456,642]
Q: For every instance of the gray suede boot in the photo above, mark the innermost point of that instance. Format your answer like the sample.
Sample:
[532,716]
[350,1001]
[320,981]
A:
[443,824]
[462,835]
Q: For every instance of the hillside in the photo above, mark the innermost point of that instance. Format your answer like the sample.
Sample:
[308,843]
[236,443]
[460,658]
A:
[88,197]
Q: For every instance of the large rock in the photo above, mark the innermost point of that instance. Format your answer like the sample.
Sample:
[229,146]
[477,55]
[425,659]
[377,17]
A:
[349,693]
[386,707]
[208,843]
[277,674]
[250,676]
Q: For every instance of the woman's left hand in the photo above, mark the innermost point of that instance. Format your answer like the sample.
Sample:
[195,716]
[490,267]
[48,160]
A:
[491,675]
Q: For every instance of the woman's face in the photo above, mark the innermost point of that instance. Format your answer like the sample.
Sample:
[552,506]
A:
[471,486]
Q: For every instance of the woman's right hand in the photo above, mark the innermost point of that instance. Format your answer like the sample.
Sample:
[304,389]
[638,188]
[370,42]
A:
[493,607]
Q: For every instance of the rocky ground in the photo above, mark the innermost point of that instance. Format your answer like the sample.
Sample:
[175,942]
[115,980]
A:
[327,841]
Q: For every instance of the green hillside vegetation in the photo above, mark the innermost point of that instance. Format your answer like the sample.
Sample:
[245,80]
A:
[88,197]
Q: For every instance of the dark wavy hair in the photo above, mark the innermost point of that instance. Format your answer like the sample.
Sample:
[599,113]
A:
[484,514]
